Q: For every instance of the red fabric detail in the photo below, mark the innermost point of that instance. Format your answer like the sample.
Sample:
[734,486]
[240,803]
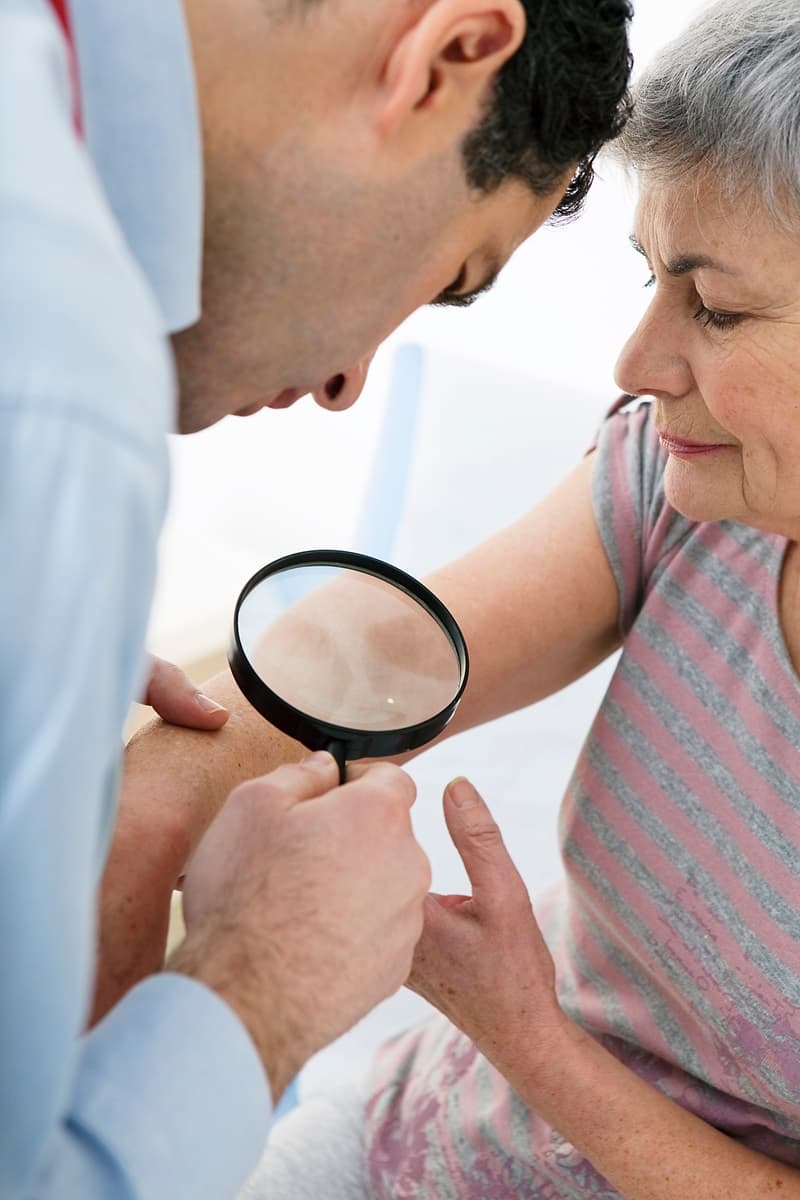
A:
[61,10]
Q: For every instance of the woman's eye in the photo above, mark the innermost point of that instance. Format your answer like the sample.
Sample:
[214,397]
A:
[650,282]
[716,320]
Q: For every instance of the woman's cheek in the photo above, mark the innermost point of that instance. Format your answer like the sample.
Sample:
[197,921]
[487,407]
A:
[735,407]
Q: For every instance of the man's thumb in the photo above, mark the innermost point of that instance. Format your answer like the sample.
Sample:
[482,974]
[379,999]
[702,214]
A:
[479,842]
[178,702]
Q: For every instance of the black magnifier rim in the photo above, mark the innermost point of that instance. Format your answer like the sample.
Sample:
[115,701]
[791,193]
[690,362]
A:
[315,733]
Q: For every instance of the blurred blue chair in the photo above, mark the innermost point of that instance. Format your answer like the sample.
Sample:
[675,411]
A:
[387,487]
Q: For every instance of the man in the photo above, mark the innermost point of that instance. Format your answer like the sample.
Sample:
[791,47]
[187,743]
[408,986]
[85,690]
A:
[360,157]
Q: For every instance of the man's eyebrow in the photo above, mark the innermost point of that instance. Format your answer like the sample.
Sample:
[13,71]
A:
[687,262]
[448,299]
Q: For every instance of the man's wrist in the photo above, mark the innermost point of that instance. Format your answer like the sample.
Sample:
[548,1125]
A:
[220,959]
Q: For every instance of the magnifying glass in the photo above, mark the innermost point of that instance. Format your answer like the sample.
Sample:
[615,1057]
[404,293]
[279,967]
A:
[347,653]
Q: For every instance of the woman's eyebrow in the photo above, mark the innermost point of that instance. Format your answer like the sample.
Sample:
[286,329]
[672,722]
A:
[685,263]
[697,262]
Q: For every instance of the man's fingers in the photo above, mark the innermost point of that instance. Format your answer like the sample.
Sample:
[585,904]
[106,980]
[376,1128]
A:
[358,769]
[293,783]
[480,844]
[176,699]
[318,774]
[380,775]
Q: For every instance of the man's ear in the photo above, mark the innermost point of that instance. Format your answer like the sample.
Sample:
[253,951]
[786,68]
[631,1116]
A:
[442,64]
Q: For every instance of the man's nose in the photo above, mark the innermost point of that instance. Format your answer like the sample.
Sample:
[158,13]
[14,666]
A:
[342,390]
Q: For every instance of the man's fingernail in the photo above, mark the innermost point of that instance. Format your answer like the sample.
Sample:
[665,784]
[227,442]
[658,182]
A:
[320,758]
[462,793]
[207,704]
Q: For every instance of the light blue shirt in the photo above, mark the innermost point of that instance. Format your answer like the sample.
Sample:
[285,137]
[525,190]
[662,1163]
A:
[145,140]
[167,1097]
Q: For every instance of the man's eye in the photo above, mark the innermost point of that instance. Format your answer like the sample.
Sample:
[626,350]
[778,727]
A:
[458,282]
[454,295]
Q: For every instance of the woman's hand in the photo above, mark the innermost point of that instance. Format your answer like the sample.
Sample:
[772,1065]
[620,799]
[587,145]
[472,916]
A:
[482,960]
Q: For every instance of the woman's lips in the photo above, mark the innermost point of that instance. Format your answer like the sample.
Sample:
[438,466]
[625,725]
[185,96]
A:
[681,448]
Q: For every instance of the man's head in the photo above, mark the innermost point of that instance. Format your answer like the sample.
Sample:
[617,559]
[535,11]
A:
[364,157]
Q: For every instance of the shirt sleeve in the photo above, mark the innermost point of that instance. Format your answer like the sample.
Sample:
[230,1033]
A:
[169,1100]
[637,526]
[168,1096]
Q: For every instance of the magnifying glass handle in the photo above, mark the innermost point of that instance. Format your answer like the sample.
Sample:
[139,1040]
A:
[337,750]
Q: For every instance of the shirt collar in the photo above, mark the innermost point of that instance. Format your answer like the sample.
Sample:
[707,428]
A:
[143,132]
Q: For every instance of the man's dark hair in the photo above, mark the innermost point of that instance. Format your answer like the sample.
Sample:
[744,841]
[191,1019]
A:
[556,101]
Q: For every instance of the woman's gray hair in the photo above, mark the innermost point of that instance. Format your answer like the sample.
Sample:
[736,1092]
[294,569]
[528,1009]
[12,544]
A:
[724,97]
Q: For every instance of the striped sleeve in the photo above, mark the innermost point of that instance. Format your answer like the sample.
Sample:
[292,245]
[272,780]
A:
[636,525]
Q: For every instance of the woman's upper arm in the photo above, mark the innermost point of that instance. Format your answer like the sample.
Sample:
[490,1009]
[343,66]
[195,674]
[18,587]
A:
[537,602]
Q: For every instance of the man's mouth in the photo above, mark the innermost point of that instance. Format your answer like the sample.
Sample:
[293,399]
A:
[284,399]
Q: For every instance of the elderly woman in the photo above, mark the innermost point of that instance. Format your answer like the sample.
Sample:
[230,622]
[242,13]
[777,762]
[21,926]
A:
[646,1043]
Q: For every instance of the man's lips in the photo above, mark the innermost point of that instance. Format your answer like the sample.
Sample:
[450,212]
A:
[283,400]
[686,449]
[286,399]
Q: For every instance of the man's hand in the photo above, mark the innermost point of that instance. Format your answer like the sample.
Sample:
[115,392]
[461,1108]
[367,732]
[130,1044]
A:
[303,904]
[176,699]
[482,960]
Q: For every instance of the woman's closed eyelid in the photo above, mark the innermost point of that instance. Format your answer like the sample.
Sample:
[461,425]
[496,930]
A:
[709,317]
[712,319]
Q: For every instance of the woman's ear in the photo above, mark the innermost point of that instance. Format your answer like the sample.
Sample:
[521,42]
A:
[441,66]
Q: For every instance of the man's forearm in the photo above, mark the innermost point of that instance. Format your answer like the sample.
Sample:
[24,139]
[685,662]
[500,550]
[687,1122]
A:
[175,781]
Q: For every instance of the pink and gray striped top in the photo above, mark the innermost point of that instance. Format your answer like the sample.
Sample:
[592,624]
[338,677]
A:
[676,932]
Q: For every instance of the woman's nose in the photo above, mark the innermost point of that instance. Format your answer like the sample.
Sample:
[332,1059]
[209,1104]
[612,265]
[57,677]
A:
[342,390]
[652,361]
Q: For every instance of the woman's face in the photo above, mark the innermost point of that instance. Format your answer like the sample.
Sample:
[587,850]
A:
[719,350]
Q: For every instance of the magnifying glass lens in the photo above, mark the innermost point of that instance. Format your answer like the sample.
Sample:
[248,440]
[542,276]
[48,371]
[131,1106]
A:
[344,651]
[351,650]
